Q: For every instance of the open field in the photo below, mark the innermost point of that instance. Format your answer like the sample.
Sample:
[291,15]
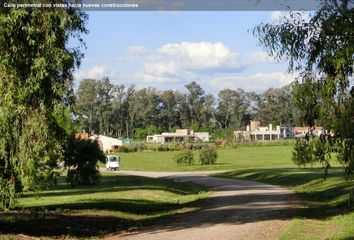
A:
[327,216]
[228,158]
[116,204]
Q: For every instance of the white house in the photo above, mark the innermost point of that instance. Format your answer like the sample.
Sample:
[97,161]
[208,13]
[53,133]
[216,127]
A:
[254,132]
[181,135]
[107,144]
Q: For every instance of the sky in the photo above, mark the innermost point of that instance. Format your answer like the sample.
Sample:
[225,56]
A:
[167,50]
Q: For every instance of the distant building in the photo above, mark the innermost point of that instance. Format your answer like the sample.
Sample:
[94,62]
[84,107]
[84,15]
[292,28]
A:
[107,144]
[302,131]
[254,132]
[181,135]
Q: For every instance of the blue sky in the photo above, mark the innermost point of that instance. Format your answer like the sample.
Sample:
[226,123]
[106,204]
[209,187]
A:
[166,50]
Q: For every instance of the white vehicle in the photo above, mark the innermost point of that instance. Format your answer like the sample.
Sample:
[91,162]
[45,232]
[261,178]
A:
[112,162]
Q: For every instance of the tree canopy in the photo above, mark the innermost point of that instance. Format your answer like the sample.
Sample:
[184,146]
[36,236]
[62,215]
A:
[321,48]
[118,110]
[35,88]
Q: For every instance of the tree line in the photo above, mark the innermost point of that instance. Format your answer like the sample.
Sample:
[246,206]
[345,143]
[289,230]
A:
[118,110]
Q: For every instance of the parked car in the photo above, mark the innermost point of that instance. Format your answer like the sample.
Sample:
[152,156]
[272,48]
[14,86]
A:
[112,162]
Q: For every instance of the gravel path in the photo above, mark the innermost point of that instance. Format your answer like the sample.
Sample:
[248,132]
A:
[236,210]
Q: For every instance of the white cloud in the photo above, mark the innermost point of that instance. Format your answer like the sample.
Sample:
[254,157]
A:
[137,50]
[200,55]
[184,60]
[150,78]
[259,57]
[96,72]
[256,82]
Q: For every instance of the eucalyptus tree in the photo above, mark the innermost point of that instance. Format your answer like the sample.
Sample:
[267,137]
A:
[275,105]
[232,108]
[321,48]
[86,102]
[195,101]
[169,117]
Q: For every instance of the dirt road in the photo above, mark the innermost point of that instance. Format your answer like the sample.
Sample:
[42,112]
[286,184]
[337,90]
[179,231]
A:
[236,210]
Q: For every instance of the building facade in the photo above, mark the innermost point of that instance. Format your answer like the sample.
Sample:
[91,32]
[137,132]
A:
[255,132]
[181,135]
[107,144]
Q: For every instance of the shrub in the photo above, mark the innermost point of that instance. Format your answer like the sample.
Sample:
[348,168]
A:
[162,148]
[208,156]
[81,157]
[184,157]
[123,149]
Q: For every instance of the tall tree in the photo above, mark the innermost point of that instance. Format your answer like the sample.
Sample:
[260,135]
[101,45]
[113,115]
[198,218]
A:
[105,91]
[275,106]
[232,107]
[322,49]
[86,103]
[35,85]
[169,111]
[195,100]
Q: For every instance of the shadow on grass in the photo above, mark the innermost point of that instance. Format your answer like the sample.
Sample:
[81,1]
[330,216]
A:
[130,206]
[59,225]
[288,177]
[118,183]
[62,219]
[247,204]
[319,194]
[62,224]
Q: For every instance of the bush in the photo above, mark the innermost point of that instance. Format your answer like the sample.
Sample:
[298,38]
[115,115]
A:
[184,158]
[123,149]
[208,156]
[163,147]
[194,146]
[81,157]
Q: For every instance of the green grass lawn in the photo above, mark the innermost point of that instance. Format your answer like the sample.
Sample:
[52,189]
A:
[116,204]
[328,215]
[228,158]
[120,203]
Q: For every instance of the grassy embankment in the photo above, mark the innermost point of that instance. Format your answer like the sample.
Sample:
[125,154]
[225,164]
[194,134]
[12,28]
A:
[116,204]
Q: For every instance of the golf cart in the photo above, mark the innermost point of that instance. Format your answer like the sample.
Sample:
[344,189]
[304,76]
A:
[112,162]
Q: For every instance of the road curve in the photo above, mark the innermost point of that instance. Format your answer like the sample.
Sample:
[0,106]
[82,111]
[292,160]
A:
[236,210]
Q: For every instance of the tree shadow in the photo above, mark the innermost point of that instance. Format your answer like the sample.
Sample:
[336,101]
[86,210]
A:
[118,183]
[234,202]
[61,219]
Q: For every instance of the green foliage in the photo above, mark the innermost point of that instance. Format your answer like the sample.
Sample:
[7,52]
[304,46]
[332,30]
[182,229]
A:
[35,86]
[139,147]
[141,133]
[226,134]
[276,106]
[302,153]
[119,111]
[232,108]
[81,160]
[322,50]
[208,156]
[185,157]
